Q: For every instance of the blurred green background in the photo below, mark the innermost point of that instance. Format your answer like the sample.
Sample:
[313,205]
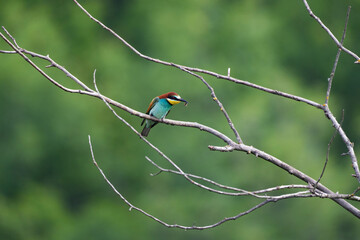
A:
[49,188]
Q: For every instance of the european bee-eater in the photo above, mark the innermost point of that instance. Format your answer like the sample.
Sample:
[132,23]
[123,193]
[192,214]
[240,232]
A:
[159,108]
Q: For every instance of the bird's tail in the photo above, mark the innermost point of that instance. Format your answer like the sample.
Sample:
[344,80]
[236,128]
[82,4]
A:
[145,131]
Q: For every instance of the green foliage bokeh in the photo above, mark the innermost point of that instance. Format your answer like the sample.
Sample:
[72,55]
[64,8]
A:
[49,188]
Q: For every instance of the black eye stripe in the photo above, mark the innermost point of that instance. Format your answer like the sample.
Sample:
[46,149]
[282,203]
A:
[173,97]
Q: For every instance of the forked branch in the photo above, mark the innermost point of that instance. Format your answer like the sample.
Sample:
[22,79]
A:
[191,71]
[339,44]
[312,188]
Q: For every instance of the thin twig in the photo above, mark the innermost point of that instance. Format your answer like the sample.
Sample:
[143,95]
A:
[18,49]
[328,150]
[12,38]
[297,173]
[330,33]
[346,140]
[337,196]
[332,74]
[326,108]
[215,98]
[356,190]
[7,52]
[239,192]
[39,69]
[258,87]
[131,206]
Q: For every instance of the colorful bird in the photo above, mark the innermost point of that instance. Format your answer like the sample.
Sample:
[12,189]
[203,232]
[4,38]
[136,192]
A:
[159,108]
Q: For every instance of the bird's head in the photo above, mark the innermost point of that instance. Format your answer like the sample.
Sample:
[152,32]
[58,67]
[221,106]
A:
[173,98]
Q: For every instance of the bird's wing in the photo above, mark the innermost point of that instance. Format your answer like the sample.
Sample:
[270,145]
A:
[152,104]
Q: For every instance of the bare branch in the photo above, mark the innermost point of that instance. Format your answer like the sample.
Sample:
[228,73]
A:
[248,149]
[330,79]
[109,100]
[154,147]
[37,68]
[131,206]
[258,87]
[328,150]
[239,192]
[169,64]
[19,50]
[12,38]
[225,77]
[7,52]
[348,143]
[214,97]
[332,74]
[326,108]
[233,145]
[252,150]
[337,196]
[162,222]
[320,191]
[330,33]
[297,173]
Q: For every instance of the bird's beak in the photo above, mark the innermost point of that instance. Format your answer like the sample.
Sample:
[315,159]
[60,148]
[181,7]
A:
[183,100]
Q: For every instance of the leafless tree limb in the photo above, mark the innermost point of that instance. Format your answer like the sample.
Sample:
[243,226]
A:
[326,108]
[330,79]
[169,64]
[330,33]
[319,191]
[328,152]
[216,100]
[346,140]
[93,93]
[237,191]
[154,147]
[250,149]
[131,206]
[190,70]
[332,74]
[225,77]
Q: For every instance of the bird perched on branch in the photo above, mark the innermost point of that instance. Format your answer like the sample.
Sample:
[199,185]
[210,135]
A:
[159,108]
